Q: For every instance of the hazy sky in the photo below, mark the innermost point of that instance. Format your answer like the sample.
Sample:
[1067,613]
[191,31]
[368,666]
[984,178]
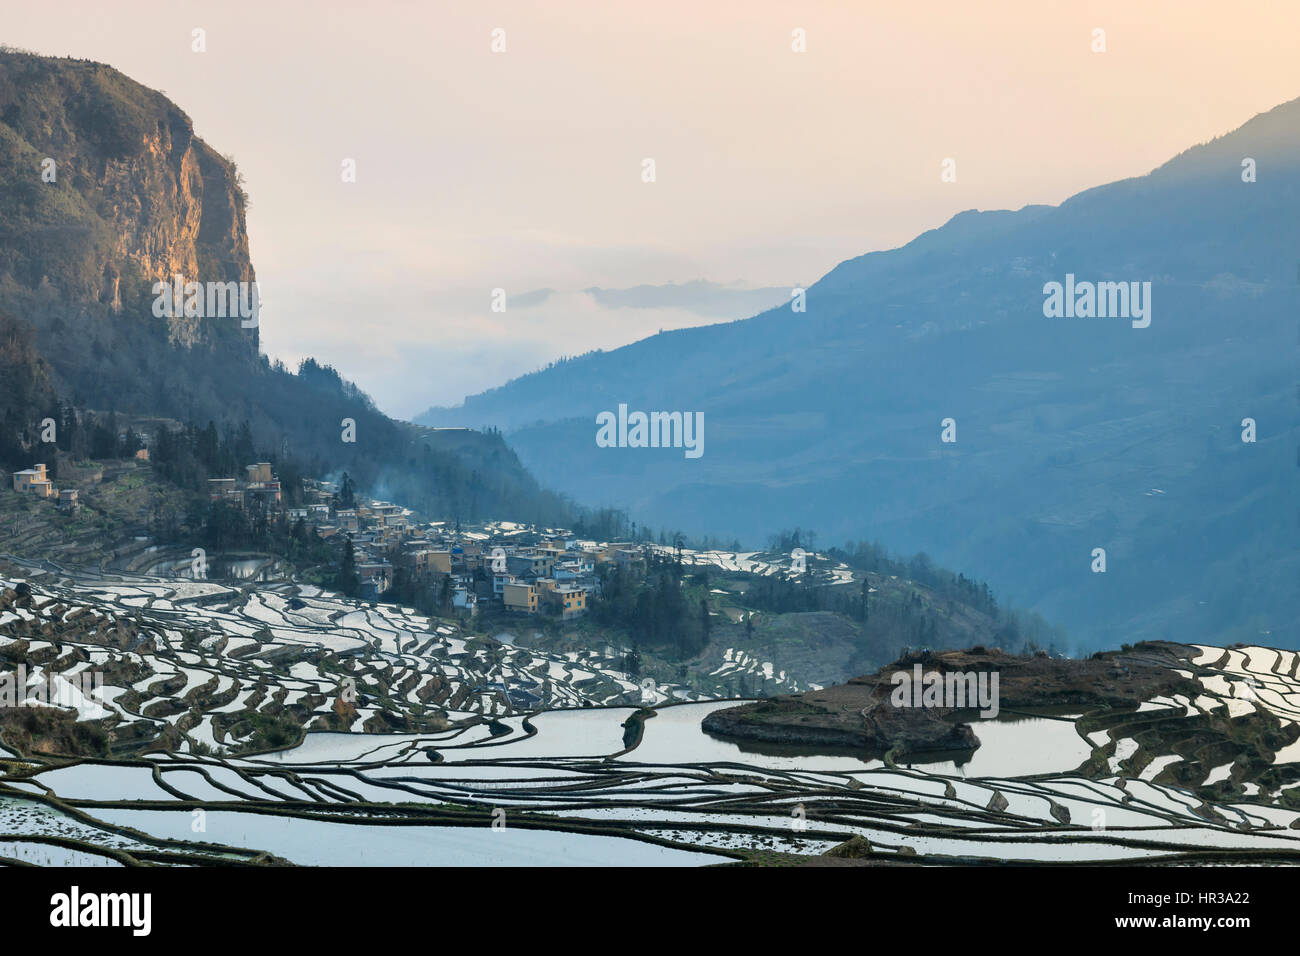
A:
[523,169]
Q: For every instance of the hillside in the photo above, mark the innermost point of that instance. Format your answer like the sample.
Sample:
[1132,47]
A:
[1072,434]
[131,196]
[770,629]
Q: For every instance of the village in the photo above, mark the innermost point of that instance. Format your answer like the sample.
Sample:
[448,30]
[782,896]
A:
[459,568]
[515,567]
[512,566]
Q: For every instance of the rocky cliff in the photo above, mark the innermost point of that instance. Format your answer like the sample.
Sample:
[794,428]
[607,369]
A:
[109,191]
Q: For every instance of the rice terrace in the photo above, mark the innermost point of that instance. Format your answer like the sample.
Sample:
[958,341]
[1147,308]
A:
[1199,773]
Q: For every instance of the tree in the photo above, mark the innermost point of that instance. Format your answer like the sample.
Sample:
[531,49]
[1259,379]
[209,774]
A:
[349,582]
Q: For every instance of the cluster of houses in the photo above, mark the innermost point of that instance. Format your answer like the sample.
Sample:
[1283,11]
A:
[552,574]
[520,569]
[36,481]
[525,570]
[516,567]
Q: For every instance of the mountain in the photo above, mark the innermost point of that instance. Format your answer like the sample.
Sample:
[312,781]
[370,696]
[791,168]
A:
[711,300]
[105,190]
[1072,433]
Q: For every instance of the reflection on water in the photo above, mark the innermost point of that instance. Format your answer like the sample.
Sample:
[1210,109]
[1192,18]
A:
[244,569]
[1016,745]
[258,568]
[1011,745]
[674,735]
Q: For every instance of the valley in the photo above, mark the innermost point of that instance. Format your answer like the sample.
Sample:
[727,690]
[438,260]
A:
[987,561]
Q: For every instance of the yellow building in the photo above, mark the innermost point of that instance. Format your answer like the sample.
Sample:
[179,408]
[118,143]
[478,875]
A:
[521,597]
[35,481]
[573,600]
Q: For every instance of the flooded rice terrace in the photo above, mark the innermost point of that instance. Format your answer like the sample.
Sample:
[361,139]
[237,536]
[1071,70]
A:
[593,777]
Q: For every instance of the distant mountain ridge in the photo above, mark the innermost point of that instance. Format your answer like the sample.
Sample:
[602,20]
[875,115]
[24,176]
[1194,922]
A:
[700,296]
[1072,434]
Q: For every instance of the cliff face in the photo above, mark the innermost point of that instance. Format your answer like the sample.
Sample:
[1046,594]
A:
[136,197]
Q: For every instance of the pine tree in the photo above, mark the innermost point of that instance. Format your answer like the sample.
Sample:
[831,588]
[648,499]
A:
[348,582]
